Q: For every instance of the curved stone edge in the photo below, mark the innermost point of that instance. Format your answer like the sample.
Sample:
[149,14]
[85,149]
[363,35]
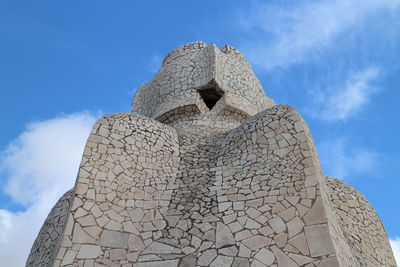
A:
[128,166]
[179,79]
[343,251]
[47,242]
[361,225]
[277,136]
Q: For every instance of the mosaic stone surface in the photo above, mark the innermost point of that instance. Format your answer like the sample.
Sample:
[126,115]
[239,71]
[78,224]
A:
[207,171]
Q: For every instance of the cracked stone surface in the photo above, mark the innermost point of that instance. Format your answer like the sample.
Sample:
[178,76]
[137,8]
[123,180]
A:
[207,171]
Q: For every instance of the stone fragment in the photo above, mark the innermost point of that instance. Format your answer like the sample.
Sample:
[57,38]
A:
[265,256]
[164,263]
[316,214]
[222,261]
[256,242]
[69,257]
[188,261]
[277,224]
[295,226]
[158,248]
[207,257]
[224,236]
[244,251]
[328,262]
[301,259]
[299,242]
[240,262]
[283,260]
[114,239]
[80,236]
[117,254]
[280,239]
[319,240]
[89,252]
[135,243]
[228,251]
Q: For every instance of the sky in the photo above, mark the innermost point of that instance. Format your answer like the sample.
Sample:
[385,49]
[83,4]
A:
[64,63]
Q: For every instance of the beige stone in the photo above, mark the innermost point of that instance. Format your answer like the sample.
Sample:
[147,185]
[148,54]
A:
[319,240]
[89,252]
[256,242]
[265,256]
[114,239]
[206,168]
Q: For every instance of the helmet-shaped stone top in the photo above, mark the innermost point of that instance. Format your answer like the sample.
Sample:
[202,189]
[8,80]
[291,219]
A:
[204,80]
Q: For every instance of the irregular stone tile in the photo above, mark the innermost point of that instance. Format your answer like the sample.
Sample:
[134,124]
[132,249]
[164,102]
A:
[316,214]
[166,263]
[256,242]
[277,224]
[240,262]
[207,257]
[188,261]
[328,262]
[158,248]
[228,251]
[318,240]
[300,259]
[222,261]
[300,243]
[117,254]
[89,252]
[283,260]
[244,251]
[265,256]
[295,226]
[114,239]
[281,239]
[224,236]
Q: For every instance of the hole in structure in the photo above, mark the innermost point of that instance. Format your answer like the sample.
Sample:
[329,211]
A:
[211,96]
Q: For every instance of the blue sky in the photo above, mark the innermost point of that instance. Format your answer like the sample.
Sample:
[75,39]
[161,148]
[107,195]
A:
[65,63]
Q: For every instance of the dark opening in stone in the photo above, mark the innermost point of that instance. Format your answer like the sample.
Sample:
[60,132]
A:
[211,96]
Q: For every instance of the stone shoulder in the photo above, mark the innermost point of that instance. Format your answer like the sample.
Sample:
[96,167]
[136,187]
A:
[272,118]
[361,224]
[125,124]
[128,163]
[132,118]
[48,240]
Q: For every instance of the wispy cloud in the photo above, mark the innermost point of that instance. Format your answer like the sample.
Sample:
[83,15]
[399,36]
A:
[342,101]
[39,166]
[154,64]
[281,35]
[395,243]
[341,160]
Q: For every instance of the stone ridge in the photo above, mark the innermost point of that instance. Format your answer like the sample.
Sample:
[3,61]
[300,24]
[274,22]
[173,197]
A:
[198,177]
[361,225]
[47,243]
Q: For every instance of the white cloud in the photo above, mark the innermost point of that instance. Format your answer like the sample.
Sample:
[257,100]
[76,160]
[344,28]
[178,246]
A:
[39,166]
[395,243]
[292,33]
[343,161]
[342,101]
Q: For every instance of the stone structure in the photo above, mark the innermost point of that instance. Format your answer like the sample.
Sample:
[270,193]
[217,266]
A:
[207,171]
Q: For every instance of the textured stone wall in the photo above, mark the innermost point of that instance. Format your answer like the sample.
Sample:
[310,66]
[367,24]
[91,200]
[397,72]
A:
[270,190]
[195,66]
[48,240]
[123,188]
[361,225]
[208,172]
